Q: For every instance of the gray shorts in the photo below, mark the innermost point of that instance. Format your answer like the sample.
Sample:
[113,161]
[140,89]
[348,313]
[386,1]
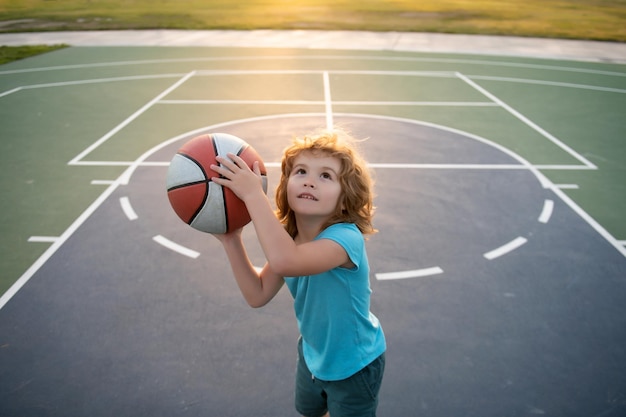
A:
[356,396]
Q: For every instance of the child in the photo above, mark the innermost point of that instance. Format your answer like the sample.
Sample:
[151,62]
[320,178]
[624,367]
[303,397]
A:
[315,244]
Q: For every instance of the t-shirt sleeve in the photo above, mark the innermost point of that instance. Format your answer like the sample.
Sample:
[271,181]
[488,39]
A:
[349,237]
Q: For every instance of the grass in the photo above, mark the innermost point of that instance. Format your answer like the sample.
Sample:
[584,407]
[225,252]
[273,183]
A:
[573,19]
[13,53]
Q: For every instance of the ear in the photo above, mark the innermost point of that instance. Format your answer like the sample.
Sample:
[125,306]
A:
[342,203]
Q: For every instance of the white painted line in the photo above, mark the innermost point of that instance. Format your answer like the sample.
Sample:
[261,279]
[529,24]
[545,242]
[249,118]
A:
[447,166]
[590,220]
[328,101]
[344,103]
[121,163]
[418,273]
[546,213]
[566,167]
[26,276]
[622,242]
[441,74]
[504,249]
[256,58]
[102,182]
[264,102]
[128,120]
[102,163]
[101,80]
[567,186]
[528,122]
[175,247]
[418,103]
[6,93]
[81,66]
[43,239]
[552,83]
[128,209]
[155,164]
[255,72]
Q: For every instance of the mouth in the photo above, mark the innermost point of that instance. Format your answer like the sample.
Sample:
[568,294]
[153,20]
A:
[307,196]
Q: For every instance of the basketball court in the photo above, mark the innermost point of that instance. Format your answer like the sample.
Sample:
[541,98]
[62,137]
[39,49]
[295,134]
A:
[498,272]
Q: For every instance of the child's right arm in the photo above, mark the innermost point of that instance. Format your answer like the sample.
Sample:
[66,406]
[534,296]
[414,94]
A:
[257,288]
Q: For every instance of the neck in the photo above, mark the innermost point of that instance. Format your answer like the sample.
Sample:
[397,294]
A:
[308,228]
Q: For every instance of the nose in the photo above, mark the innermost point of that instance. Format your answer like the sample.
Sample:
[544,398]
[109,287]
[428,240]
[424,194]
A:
[309,183]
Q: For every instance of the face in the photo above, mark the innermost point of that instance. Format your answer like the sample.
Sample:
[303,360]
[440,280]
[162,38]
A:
[313,187]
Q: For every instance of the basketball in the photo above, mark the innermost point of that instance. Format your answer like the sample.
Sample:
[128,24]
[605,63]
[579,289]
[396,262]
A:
[196,199]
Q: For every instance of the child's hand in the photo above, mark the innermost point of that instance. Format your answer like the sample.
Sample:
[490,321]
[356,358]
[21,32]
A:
[236,175]
[226,238]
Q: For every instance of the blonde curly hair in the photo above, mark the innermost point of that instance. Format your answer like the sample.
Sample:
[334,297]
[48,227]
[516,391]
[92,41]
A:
[355,203]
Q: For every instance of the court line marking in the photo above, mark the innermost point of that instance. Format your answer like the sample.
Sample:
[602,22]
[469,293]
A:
[175,247]
[91,81]
[353,72]
[506,248]
[405,73]
[419,103]
[317,58]
[401,165]
[567,186]
[590,220]
[550,83]
[566,167]
[263,102]
[328,104]
[546,213]
[102,80]
[129,119]
[15,90]
[341,103]
[528,122]
[127,208]
[43,239]
[56,245]
[102,182]
[417,273]
[103,163]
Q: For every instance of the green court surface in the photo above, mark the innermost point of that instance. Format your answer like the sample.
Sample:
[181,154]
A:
[75,119]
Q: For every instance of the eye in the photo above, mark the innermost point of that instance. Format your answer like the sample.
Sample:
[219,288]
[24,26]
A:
[299,171]
[326,176]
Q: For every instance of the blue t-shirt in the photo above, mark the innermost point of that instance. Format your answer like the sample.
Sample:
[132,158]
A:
[340,336]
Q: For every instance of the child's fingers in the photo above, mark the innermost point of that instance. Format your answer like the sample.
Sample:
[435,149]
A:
[221,169]
[256,167]
[225,162]
[232,161]
[226,165]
